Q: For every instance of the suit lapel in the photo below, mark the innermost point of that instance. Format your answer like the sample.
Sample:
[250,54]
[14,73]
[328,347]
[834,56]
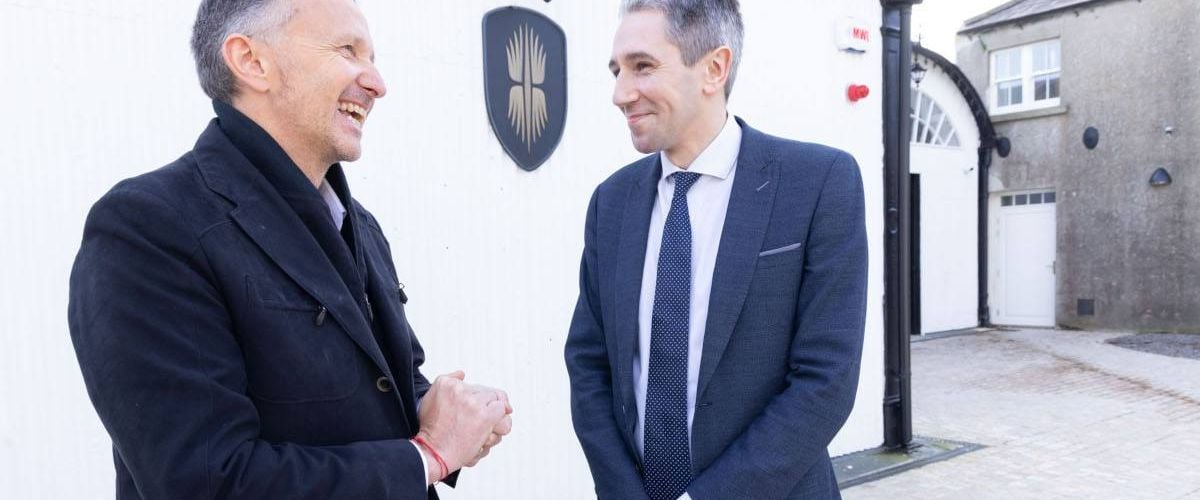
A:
[631,258]
[271,223]
[750,202]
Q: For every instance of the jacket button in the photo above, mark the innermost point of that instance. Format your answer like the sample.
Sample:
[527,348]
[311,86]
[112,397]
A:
[383,384]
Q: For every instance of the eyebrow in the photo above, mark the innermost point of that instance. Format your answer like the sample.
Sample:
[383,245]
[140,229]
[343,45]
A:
[632,56]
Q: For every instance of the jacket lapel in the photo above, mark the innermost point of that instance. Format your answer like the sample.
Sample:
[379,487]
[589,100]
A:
[271,223]
[746,219]
[631,258]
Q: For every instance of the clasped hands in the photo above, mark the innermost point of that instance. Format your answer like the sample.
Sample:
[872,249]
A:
[461,422]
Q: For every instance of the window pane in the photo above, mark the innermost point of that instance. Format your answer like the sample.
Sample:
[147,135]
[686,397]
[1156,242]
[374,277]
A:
[1007,64]
[1046,56]
[1006,201]
[947,132]
[1045,87]
[935,120]
[1022,199]
[1009,93]
[920,128]
[1041,58]
[1035,198]
[925,105]
[954,140]
[1049,197]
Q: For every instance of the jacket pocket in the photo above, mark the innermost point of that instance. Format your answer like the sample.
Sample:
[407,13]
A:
[294,352]
[780,260]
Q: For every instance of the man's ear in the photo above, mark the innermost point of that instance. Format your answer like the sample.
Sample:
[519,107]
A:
[248,62]
[716,69]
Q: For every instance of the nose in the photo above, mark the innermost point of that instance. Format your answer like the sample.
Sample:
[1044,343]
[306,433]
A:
[624,91]
[372,82]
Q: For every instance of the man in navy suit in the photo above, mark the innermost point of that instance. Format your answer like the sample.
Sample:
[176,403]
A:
[236,314]
[715,347]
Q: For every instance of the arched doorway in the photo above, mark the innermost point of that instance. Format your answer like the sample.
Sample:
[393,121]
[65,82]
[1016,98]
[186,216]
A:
[945,178]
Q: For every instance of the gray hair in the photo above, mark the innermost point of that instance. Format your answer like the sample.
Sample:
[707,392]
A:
[215,21]
[698,27]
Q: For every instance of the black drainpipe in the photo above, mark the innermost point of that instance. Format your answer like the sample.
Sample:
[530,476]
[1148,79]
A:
[897,124]
[985,167]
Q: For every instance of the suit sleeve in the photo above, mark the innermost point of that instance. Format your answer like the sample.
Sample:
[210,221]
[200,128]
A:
[163,368]
[775,452]
[613,467]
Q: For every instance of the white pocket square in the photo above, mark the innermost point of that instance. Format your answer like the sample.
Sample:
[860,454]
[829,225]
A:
[774,251]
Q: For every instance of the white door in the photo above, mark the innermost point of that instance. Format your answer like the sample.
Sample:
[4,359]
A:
[1023,254]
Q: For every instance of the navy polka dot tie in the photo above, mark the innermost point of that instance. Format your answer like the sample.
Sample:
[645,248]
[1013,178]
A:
[668,458]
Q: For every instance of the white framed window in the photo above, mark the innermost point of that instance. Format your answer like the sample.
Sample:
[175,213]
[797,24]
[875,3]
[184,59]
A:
[1026,77]
[930,125]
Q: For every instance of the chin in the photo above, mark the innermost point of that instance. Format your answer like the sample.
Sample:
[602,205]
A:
[644,150]
[348,152]
[644,146]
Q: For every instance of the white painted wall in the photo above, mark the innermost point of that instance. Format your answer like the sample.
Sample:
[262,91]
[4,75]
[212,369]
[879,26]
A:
[949,213]
[99,90]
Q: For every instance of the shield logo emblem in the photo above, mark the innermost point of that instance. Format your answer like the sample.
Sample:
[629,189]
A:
[525,81]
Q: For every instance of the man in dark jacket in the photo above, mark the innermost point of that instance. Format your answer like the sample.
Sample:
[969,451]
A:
[236,313]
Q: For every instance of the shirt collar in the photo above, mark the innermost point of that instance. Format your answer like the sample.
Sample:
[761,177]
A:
[718,159]
[336,209]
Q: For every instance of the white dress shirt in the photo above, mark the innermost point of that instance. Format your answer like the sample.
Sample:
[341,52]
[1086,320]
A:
[708,200]
[337,211]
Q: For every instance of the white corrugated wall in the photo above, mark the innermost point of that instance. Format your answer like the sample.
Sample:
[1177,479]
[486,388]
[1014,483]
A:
[98,90]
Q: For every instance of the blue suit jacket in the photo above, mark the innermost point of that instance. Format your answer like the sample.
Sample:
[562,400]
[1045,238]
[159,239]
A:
[783,339]
[194,311]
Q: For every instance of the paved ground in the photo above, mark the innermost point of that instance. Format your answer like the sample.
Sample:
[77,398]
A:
[1062,414]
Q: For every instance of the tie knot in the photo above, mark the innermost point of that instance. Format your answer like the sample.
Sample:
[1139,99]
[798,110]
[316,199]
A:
[684,181]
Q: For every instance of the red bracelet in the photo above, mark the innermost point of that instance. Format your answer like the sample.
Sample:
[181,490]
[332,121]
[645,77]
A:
[441,463]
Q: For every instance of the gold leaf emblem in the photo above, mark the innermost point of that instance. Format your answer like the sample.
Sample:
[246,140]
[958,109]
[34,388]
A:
[527,108]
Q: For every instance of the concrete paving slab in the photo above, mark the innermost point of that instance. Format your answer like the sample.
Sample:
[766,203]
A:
[1062,414]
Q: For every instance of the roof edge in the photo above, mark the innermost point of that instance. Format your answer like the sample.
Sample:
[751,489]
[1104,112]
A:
[1022,19]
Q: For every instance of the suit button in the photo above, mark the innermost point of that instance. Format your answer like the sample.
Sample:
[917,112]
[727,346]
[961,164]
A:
[383,384]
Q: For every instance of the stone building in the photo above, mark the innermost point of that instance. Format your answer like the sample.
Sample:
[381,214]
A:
[1092,213]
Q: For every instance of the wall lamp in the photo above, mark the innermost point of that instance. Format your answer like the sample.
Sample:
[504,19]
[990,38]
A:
[918,73]
[1160,178]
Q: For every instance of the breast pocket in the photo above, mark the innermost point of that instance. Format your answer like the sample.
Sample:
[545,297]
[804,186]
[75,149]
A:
[771,300]
[792,254]
[295,352]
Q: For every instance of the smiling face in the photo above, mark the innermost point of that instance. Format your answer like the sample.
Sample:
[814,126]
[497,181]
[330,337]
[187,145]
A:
[326,81]
[661,97]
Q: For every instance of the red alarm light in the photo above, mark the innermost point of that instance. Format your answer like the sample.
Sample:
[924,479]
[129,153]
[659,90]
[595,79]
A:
[857,92]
